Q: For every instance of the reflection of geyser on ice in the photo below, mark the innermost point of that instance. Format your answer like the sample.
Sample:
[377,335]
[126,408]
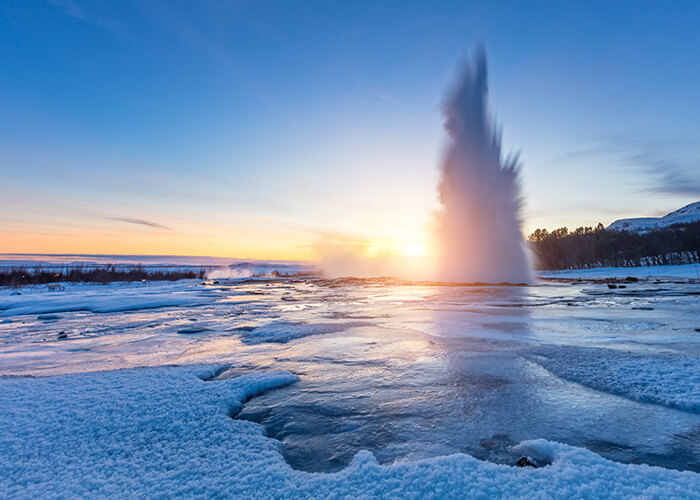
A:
[479,226]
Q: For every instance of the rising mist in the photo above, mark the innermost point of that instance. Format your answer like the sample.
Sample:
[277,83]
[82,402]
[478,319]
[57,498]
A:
[479,226]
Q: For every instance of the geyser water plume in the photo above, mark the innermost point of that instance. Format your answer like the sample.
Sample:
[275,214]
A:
[479,226]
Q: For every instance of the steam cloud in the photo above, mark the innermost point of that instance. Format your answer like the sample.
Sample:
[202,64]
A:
[479,226]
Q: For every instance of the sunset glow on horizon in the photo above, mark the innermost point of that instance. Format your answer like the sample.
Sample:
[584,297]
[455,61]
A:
[278,131]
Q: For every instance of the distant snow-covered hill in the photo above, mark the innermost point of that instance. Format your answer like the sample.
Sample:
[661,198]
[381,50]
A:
[689,213]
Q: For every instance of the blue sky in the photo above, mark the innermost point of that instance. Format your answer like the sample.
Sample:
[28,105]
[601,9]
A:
[260,129]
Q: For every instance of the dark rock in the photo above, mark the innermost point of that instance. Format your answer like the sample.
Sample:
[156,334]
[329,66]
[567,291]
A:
[191,330]
[62,335]
[621,286]
[643,308]
[48,317]
[610,285]
[497,441]
[631,279]
[243,329]
[525,462]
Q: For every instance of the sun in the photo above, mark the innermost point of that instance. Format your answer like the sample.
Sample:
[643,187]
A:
[413,249]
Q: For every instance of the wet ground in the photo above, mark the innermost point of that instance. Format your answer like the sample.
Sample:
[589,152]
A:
[406,370]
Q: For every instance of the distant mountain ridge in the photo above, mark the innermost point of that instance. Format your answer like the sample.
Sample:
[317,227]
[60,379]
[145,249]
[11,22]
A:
[673,239]
[685,215]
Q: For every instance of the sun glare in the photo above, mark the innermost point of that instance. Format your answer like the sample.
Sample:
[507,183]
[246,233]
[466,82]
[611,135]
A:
[413,249]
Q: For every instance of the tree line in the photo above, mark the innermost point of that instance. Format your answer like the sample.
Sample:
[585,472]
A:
[20,276]
[587,247]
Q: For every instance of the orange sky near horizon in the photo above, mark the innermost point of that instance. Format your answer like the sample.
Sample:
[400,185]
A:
[137,137]
[280,244]
[114,243]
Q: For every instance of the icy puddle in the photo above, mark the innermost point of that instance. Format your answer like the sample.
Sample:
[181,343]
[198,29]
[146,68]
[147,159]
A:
[404,370]
[404,397]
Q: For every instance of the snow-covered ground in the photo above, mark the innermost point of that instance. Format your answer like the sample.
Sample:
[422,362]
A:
[359,388]
[684,215]
[117,297]
[166,432]
[685,271]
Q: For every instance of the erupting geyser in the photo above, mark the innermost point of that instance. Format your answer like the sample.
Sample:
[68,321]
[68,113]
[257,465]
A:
[479,226]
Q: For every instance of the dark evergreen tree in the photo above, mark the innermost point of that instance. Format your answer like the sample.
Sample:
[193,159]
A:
[588,247]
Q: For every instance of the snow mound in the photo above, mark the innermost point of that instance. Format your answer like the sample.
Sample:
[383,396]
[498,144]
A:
[685,215]
[285,331]
[667,379]
[165,432]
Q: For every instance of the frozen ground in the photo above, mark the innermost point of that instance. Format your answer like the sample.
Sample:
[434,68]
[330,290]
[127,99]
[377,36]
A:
[685,271]
[168,432]
[437,383]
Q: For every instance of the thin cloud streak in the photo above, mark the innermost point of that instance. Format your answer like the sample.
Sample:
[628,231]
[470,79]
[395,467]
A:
[90,15]
[655,158]
[672,176]
[141,222]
